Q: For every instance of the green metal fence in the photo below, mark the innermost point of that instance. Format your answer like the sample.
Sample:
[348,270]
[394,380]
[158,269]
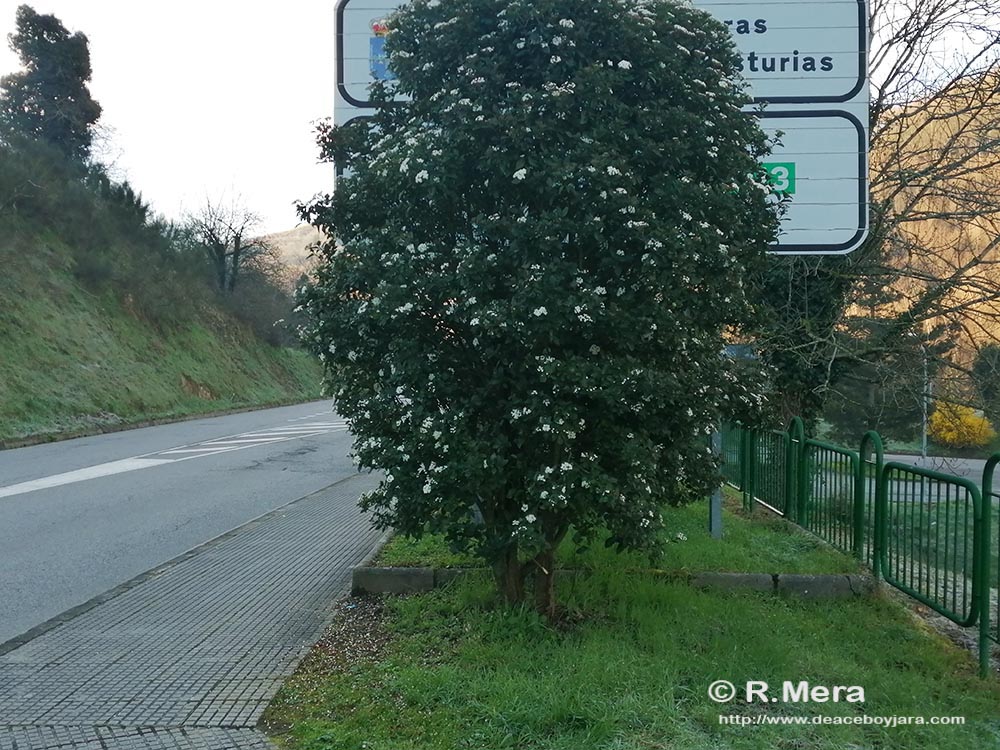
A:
[929,534]
[931,528]
[769,469]
[831,493]
[989,625]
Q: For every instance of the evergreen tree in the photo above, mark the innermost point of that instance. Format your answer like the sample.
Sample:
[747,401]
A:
[49,99]
[537,259]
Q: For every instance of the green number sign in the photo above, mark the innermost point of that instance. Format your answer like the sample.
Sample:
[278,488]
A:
[782,176]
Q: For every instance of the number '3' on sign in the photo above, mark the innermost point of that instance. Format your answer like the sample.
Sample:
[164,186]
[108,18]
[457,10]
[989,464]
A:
[781,176]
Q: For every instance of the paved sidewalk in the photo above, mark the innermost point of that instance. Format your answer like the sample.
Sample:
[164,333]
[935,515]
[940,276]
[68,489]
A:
[189,655]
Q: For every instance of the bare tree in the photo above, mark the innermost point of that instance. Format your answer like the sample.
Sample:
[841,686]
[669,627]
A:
[928,279]
[227,231]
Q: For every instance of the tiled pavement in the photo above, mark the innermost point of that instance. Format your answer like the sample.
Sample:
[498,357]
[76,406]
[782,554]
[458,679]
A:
[188,656]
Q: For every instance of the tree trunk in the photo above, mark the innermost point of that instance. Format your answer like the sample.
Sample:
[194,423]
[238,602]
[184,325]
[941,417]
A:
[235,261]
[509,575]
[545,584]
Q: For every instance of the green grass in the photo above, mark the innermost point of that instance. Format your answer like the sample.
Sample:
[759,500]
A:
[73,361]
[630,673]
[762,544]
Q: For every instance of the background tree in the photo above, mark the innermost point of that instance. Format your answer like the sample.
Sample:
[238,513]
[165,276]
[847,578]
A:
[227,233]
[49,99]
[536,260]
[930,268]
[986,375]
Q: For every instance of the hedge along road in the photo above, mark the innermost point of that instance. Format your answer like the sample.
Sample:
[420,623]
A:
[82,516]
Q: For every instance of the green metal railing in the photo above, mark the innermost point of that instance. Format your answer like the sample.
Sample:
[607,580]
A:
[872,457]
[769,465]
[930,531]
[991,555]
[929,534]
[832,495]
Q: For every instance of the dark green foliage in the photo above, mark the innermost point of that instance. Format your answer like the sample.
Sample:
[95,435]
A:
[49,100]
[986,376]
[887,399]
[537,258]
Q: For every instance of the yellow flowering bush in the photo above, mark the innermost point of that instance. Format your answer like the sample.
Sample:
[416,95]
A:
[960,427]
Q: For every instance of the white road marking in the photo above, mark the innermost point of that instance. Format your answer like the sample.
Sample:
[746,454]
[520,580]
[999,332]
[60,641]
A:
[80,475]
[197,450]
[175,455]
[261,440]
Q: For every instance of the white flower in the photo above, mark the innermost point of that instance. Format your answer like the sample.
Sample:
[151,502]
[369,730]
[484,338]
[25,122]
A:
[625,65]
[614,171]
[600,290]
[595,349]
[539,312]
[530,518]
[566,23]
[520,174]
[554,59]
[427,488]
[566,466]
[546,428]
[421,175]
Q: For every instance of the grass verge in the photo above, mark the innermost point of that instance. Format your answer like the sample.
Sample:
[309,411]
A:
[630,670]
[761,543]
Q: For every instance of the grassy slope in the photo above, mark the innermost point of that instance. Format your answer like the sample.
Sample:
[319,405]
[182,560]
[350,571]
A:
[70,360]
[632,671]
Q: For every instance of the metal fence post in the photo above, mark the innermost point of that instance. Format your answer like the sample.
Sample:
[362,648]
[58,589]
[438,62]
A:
[858,519]
[871,441]
[881,503]
[985,547]
[796,436]
[744,467]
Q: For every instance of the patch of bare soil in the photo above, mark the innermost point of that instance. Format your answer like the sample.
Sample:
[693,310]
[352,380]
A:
[357,634]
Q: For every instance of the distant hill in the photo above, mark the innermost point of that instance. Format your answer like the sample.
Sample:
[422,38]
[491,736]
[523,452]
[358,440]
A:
[294,246]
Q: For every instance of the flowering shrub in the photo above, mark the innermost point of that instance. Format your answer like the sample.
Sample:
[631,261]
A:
[537,257]
[960,427]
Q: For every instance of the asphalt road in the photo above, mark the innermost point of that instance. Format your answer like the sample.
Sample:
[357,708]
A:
[82,516]
[969,468]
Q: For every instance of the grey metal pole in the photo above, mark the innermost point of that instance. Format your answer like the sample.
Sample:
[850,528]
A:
[923,409]
[715,501]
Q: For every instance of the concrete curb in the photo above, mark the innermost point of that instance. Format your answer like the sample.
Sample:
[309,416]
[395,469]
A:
[366,579]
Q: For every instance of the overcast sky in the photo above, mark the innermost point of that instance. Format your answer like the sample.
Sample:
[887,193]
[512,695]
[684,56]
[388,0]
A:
[207,99]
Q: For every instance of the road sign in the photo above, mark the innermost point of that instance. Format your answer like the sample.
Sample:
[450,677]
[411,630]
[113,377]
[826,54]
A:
[806,64]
